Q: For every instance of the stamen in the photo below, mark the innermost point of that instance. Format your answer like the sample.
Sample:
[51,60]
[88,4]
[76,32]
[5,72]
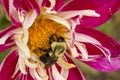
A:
[40,32]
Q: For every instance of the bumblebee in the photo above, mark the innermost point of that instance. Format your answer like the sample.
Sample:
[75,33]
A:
[57,49]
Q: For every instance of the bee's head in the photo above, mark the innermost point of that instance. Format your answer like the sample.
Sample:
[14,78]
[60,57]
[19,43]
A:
[57,49]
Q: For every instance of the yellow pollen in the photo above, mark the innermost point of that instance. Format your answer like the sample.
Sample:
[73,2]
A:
[40,32]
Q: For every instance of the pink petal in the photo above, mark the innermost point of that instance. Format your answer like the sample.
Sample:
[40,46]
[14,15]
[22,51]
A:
[25,77]
[75,73]
[7,67]
[13,6]
[59,4]
[46,3]
[9,42]
[101,63]
[106,41]
[106,8]
[5,31]
[6,46]
[27,5]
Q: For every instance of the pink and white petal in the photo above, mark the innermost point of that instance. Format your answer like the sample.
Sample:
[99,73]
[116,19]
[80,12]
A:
[105,41]
[59,4]
[27,5]
[56,74]
[13,14]
[74,73]
[7,67]
[12,8]
[109,48]
[40,3]
[29,19]
[99,62]
[105,8]
[11,11]
[25,77]
[103,65]
[6,46]
[8,29]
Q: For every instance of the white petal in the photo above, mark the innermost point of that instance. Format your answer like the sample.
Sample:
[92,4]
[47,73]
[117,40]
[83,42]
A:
[105,51]
[83,50]
[34,57]
[52,2]
[4,38]
[22,65]
[85,38]
[21,17]
[31,64]
[42,72]
[29,19]
[59,20]
[56,75]
[25,39]
[72,49]
[65,73]
[22,47]
[32,73]
[12,11]
[81,13]
[37,76]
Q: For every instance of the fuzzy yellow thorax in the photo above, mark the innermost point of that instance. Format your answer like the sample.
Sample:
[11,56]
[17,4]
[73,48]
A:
[40,32]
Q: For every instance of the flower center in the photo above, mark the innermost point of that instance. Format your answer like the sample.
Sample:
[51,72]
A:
[44,34]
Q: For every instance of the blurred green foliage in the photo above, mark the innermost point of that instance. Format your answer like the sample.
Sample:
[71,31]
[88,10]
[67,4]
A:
[111,27]
[4,22]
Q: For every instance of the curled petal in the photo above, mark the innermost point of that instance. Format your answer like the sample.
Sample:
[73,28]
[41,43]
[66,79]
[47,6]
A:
[25,77]
[23,48]
[42,72]
[83,50]
[107,53]
[7,30]
[6,46]
[30,64]
[74,73]
[102,64]
[104,40]
[7,67]
[37,76]
[60,20]
[29,19]
[80,13]
[22,65]
[14,6]
[4,38]
[105,8]
[55,74]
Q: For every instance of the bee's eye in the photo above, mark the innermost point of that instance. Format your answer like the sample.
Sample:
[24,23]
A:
[52,38]
[60,39]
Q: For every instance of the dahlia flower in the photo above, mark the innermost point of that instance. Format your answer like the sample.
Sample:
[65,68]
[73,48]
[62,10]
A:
[46,36]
